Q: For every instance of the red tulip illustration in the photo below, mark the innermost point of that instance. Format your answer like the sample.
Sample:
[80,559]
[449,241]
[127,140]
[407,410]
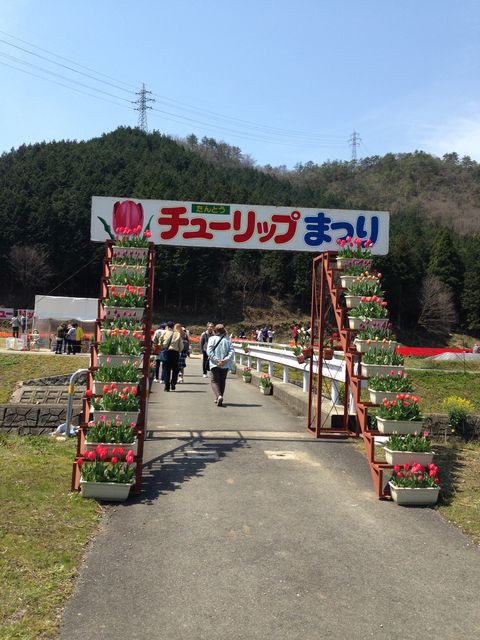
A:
[127,214]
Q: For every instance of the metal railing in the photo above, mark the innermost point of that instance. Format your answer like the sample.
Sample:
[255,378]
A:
[278,355]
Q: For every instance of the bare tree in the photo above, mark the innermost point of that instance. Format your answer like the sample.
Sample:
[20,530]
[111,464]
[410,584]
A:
[29,269]
[438,311]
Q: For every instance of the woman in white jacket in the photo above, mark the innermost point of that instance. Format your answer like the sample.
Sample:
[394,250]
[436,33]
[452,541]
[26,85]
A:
[220,354]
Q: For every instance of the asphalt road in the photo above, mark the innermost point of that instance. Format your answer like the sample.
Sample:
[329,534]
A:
[264,534]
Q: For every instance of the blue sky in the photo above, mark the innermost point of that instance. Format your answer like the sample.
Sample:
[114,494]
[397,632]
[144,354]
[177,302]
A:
[285,81]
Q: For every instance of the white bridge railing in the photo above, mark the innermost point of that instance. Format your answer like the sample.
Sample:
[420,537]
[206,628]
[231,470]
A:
[264,353]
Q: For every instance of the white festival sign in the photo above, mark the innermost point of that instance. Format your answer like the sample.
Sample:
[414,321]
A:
[239,226]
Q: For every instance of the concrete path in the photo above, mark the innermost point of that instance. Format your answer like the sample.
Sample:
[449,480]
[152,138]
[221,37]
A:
[265,534]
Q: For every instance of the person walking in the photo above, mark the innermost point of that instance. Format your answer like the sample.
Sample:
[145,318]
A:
[204,338]
[220,353]
[70,338]
[184,353]
[79,335]
[295,333]
[15,324]
[171,343]
[156,347]
[61,333]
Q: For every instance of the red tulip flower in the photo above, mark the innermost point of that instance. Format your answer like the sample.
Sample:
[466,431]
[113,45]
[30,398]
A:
[127,214]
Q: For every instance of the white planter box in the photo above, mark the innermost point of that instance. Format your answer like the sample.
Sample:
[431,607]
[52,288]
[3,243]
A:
[128,268]
[371,370]
[124,312]
[365,346]
[98,386]
[403,427]
[247,379]
[352,301]
[363,323]
[120,288]
[137,253]
[112,491]
[408,457]
[377,397]
[132,446]
[104,333]
[267,391]
[354,262]
[347,281]
[124,416]
[115,361]
[420,496]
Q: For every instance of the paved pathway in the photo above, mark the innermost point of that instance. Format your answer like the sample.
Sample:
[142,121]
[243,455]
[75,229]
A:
[261,534]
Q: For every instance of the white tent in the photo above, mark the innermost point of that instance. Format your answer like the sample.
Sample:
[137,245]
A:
[64,308]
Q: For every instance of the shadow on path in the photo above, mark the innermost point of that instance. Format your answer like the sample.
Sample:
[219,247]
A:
[168,471]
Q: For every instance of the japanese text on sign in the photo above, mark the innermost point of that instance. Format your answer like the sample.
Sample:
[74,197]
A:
[249,226]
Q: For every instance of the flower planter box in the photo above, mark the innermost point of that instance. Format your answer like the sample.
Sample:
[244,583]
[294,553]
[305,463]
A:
[137,253]
[342,263]
[370,370]
[374,323]
[403,427]
[132,446]
[300,359]
[104,333]
[124,416]
[247,379]
[117,360]
[267,391]
[124,312]
[119,288]
[307,352]
[412,496]
[377,397]
[365,346]
[347,281]
[128,268]
[327,353]
[111,491]
[98,386]
[352,301]
[408,457]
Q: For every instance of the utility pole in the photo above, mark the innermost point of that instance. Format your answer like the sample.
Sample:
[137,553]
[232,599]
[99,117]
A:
[354,141]
[142,102]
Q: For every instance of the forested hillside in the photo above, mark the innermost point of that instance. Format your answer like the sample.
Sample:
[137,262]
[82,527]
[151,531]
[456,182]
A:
[45,217]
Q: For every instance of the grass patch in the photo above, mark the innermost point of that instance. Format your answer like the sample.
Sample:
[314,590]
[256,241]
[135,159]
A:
[43,532]
[433,387]
[14,368]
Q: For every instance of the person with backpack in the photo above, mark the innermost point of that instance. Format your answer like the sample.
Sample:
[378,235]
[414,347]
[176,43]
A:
[220,353]
[171,343]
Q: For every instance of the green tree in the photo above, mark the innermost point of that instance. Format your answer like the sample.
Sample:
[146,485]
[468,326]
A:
[446,264]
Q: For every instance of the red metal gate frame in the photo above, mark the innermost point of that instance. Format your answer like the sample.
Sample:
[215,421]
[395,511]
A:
[325,292]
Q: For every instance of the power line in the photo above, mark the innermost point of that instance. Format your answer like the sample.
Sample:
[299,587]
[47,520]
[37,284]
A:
[61,84]
[59,75]
[248,129]
[56,55]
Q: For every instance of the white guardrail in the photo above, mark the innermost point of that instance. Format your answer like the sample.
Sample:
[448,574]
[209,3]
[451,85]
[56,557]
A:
[278,354]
